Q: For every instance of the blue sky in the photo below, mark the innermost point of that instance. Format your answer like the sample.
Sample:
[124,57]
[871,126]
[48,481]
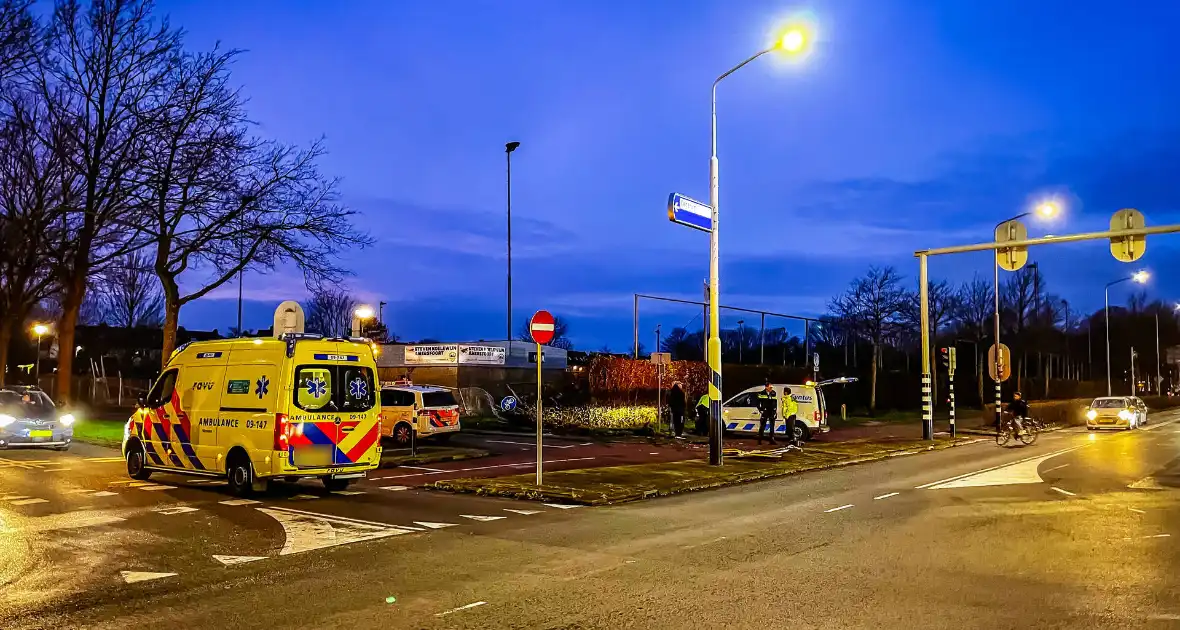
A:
[913,124]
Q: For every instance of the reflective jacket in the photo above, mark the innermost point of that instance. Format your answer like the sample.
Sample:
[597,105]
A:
[704,401]
[790,407]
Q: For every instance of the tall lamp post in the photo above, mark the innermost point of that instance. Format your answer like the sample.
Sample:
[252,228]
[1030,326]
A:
[1046,209]
[508,149]
[39,330]
[793,40]
[1140,276]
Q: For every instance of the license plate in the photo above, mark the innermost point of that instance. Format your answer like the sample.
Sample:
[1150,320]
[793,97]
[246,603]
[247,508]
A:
[40,434]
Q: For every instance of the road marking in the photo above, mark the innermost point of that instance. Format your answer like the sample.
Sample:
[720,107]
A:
[1056,468]
[29,501]
[395,488]
[837,509]
[482,518]
[304,497]
[1136,510]
[103,459]
[307,531]
[239,502]
[653,453]
[1147,537]
[1018,472]
[518,465]
[433,525]
[142,576]
[455,610]
[561,506]
[532,444]
[123,481]
[1147,483]
[348,493]
[437,470]
[155,488]
[231,560]
[522,512]
[12,497]
[136,484]
[886,496]
[54,469]
[1065,492]
[175,509]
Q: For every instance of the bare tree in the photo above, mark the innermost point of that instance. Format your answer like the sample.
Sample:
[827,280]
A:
[218,200]
[873,304]
[102,74]
[561,329]
[942,307]
[329,312]
[976,310]
[130,295]
[30,207]
[19,37]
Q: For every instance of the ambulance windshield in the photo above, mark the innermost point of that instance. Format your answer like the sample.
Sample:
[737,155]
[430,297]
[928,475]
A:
[334,388]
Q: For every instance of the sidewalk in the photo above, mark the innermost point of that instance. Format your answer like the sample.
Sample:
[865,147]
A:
[618,484]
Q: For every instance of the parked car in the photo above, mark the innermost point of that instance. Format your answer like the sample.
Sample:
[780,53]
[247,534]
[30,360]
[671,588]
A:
[429,410]
[28,417]
[1116,412]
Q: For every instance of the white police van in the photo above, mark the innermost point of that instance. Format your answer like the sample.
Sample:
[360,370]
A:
[740,413]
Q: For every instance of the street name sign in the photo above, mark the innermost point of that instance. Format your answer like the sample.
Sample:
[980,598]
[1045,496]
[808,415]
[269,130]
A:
[690,212]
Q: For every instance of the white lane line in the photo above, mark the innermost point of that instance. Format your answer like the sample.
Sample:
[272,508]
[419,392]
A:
[1065,492]
[12,497]
[1136,510]
[437,470]
[455,610]
[155,488]
[518,465]
[522,512]
[481,518]
[837,509]
[395,488]
[239,502]
[348,493]
[976,472]
[433,525]
[1056,468]
[29,501]
[175,509]
[304,497]
[142,576]
[561,506]
[886,496]
[1147,537]
[102,459]
[337,518]
[104,493]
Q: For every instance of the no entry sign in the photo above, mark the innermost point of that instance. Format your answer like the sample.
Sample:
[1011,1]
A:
[541,327]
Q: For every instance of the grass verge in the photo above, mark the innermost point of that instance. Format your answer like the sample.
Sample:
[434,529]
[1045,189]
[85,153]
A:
[619,484]
[107,433]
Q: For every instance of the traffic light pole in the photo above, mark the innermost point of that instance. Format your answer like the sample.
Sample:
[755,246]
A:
[922,255]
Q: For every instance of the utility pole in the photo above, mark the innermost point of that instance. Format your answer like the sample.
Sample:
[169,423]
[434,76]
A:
[508,149]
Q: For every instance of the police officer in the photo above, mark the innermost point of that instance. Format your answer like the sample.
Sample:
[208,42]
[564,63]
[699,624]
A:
[767,410]
[790,413]
[702,427]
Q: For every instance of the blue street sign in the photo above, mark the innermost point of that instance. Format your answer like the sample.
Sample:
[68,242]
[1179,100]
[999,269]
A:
[688,211]
[508,404]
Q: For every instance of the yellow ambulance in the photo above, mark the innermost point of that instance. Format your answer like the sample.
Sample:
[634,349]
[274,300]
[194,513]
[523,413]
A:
[252,410]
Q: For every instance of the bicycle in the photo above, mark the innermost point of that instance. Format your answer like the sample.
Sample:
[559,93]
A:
[1029,432]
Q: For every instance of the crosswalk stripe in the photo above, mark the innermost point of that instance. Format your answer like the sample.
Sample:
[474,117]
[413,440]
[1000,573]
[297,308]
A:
[561,506]
[395,488]
[239,502]
[524,512]
[29,501]
[481,518]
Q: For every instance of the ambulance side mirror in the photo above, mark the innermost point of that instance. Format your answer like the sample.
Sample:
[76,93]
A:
[141,402]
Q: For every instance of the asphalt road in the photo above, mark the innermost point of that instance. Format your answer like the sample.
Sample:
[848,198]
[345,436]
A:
[1077,531]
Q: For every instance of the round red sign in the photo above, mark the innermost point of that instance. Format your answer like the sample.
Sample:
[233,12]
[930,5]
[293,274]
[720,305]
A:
[541,327]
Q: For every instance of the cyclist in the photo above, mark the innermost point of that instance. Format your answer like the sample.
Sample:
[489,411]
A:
[1019,410]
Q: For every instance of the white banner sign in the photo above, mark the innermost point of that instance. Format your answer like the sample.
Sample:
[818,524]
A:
[438,354]
[481,355]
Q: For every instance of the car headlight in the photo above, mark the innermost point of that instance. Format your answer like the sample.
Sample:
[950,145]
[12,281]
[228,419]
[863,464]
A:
[6,420]
[1091,414]
[1125,415]
[66,419]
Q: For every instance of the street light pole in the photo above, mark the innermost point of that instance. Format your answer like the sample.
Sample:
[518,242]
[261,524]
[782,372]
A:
[741,338]
[508,149]
[1159,376]
[1138,276]
[996,316]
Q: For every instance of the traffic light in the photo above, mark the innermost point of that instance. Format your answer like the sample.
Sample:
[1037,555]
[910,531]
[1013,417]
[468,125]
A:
[944,357]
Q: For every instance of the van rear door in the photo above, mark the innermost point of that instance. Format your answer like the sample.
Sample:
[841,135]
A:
[338,419]
[360,415]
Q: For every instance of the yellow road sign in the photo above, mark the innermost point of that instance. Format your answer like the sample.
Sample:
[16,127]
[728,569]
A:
[1127,248]
[1012,258]
[1005,362]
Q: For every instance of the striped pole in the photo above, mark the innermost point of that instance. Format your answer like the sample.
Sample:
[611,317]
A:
[997,400]
[950,385]
[927,398]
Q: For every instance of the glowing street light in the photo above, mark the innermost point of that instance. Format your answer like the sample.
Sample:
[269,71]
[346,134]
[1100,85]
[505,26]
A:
[793,40]
[359,316]
[364,312]
[1140,277]
[39,330]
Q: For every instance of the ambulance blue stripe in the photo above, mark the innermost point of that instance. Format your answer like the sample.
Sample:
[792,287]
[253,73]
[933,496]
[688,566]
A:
[315,435]
[166,445]
[187,447]
[151,451]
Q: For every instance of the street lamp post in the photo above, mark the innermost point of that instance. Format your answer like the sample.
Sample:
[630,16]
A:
[794,40]
[508,149]
[1159,376]
[359,317]
[1138,276]
[40,330]
[741,338]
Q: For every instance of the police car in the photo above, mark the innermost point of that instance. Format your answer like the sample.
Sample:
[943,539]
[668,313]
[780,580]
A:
[429,410]
[254,410]
[740,413]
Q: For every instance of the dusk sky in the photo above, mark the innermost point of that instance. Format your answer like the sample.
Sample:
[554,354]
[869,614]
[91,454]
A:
[914,124]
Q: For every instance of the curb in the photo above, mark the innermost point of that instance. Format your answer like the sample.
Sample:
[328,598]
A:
[407,460]
[624,496]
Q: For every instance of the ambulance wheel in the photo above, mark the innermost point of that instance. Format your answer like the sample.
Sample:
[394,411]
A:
[335,485]
[240,475]
[136,465]
[802,433]
[402,434]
